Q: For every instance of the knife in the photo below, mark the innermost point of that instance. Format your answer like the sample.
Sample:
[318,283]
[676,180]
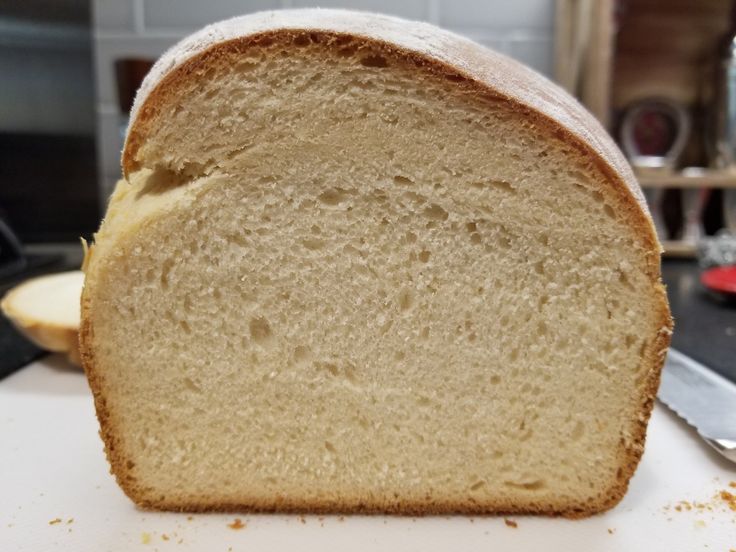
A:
[704,399]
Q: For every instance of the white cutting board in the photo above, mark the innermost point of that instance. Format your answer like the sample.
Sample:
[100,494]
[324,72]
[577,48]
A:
[52,466]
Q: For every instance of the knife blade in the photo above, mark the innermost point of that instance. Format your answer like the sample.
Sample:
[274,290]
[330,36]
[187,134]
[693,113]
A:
[704,399]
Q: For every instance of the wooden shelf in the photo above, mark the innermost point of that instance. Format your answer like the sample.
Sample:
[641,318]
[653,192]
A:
[677,248]
[687,179]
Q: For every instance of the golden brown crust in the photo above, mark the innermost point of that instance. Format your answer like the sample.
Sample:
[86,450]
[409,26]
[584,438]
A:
[616,187]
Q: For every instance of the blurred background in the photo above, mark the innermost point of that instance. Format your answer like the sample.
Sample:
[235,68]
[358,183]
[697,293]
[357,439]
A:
[658,74]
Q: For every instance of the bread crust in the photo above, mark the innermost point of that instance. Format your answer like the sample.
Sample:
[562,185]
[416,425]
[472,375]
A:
[468,69]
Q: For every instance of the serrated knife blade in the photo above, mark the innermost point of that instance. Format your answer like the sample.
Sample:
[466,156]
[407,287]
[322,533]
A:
[704,399]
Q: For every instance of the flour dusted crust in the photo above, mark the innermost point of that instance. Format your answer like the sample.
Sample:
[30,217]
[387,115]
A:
[469,68]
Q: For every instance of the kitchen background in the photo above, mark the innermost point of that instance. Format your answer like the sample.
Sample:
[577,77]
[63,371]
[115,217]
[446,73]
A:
[648,69]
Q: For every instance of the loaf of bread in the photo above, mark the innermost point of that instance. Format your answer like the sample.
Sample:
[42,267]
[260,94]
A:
[45,309]
[358,264]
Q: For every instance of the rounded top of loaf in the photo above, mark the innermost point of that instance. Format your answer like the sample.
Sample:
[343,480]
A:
[445,50]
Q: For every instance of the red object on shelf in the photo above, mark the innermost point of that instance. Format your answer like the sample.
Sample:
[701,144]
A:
[721,279]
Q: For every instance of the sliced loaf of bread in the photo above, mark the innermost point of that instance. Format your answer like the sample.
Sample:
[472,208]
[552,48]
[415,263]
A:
[363,264]
[45,309]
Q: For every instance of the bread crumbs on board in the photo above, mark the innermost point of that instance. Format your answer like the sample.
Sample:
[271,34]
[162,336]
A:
[729,499]
[510,523]
[55,521]
[145,538]
[236,525]
[720,499]
[611,531]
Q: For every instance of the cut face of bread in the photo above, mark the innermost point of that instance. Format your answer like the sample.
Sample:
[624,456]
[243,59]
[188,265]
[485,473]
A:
[46,311]
[359,264]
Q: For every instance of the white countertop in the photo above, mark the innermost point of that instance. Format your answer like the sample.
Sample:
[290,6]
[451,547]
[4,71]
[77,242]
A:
[52,466]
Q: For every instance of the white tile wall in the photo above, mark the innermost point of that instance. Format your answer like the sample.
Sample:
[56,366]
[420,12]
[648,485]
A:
[409,9]
[497,15]
[190,15]
[113,15]
[522,29]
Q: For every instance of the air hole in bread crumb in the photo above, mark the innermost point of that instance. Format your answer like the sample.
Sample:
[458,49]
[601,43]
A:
[475,238]
[165,269]
[347,52]
[495,379]
[527,485]
[609,212]
[503,242]
[502,185]
[330,367]
[424,334]
[477,485]
[406,299]
[423,401]
[351,373]
[577,431]
[414,197]
[189,384]
[424,256]
[374,61]
[624,279]
[330,447]
[435,212]
[313,244]
[334,196]
[302,354]
[260,330]
[301,40]
[597,196]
